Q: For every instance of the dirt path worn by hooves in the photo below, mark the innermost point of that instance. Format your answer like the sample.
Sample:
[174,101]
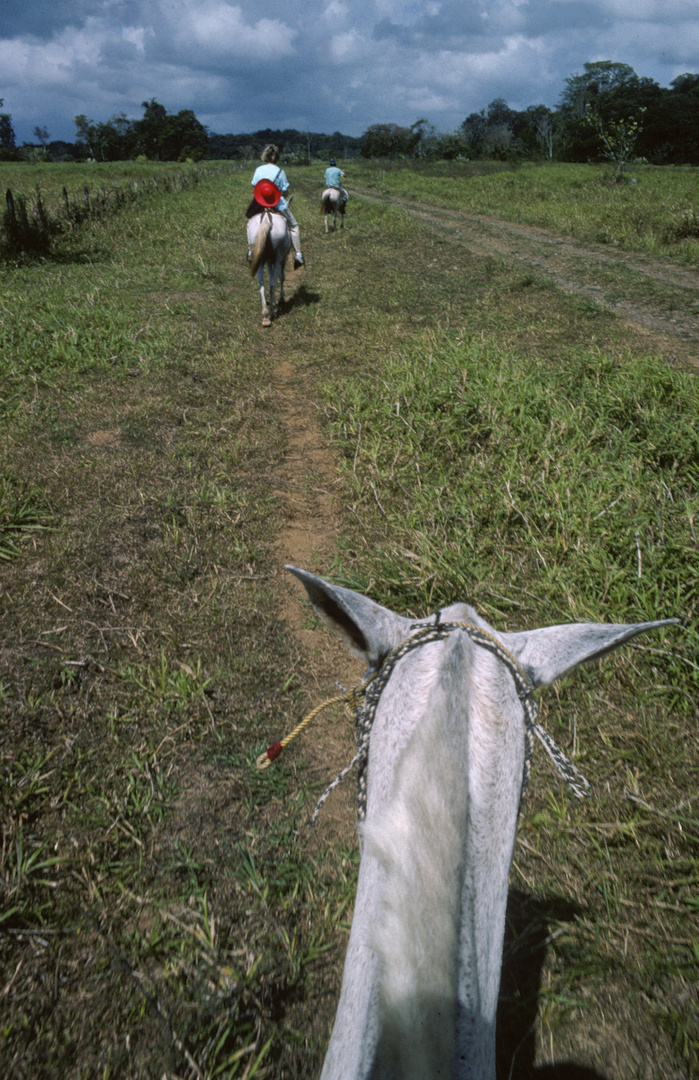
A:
[308,483]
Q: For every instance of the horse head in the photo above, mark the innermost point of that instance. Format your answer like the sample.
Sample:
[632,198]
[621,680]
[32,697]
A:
[448,704]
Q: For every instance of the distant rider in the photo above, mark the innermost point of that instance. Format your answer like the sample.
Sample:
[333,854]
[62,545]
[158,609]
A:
[270,170]
[333,178]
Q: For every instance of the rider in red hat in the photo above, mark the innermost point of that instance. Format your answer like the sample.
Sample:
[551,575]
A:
[265,193]
[269,186]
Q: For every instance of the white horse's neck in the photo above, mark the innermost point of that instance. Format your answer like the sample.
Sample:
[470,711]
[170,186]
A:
[423,962]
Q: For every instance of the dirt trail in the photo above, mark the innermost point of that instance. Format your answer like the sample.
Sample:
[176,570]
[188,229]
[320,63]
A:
[652,293]
[307,480]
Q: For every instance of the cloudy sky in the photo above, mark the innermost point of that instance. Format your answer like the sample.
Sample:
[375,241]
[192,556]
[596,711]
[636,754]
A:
[320,65]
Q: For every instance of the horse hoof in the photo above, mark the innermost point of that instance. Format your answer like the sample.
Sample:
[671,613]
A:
[266,321]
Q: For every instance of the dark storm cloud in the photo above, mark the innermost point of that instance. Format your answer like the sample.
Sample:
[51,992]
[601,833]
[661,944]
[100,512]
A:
[41,20]
[321,64]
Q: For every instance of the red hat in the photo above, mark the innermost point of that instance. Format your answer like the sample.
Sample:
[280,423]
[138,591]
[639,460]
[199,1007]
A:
[266,193]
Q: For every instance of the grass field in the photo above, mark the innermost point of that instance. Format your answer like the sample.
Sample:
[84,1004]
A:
[166,910]
[656,210]
[47,202]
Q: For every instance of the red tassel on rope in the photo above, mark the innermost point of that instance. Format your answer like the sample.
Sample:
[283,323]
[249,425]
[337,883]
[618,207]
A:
[274,750]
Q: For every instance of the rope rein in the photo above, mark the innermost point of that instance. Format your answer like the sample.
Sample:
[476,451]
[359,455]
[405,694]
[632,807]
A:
[364,700]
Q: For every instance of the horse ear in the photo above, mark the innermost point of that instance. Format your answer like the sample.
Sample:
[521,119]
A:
[370,631]
[550,653]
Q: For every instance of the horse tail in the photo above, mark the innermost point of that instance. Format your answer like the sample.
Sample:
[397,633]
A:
[324,199]
[419,840]
[258,250]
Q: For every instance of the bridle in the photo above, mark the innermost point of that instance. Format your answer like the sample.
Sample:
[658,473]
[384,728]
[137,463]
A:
[365,700]
[366,704]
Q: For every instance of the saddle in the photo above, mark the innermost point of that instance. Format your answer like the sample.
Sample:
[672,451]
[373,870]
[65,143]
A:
[254,209]
[343,195]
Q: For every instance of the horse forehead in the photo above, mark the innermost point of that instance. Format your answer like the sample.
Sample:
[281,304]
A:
[471,665]
[421,668]
[462,613]
[460,679]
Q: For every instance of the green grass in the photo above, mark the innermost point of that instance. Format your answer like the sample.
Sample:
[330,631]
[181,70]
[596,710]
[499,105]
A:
[656,213]
[23,510]
[50,178]
[494,466]
[143,860]
[47,202]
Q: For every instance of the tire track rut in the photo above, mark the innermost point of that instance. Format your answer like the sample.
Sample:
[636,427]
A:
[655,294]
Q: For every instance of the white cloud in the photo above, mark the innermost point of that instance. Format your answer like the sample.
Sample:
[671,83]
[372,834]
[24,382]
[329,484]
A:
[649,10]
[675,44]
[137,35]
[32,63]
[349,48]
[13,63]
[336,11]
[220,29]
[405,14]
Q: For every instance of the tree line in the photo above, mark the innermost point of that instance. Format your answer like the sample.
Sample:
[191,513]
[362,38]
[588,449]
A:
[297,147]
[607,112]
[163,136]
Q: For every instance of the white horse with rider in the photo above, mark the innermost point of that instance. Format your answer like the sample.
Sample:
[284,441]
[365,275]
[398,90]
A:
[334,198]
[272,230]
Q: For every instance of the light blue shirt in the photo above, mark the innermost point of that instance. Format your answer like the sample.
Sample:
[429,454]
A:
[333,176]
[276,175]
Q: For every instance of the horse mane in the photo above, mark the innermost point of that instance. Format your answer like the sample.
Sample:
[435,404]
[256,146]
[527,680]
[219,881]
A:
[418,839]
[258,251]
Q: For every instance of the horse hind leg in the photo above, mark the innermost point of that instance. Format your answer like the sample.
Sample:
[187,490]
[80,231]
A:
[281,284]
[276,275]
[266,320]
[280,278]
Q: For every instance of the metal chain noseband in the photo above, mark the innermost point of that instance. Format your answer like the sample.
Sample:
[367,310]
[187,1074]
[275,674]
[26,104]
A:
[366,699]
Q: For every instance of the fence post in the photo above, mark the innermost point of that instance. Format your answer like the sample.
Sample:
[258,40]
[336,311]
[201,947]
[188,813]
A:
[86,196]
[10,207]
